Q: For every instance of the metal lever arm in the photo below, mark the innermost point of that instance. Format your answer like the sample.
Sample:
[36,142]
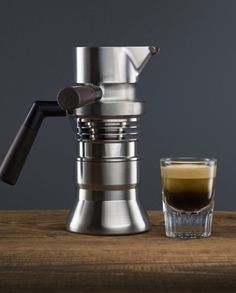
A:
[21,145]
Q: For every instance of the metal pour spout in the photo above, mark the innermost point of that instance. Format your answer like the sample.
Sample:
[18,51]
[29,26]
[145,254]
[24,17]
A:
[111,65]
[139,56]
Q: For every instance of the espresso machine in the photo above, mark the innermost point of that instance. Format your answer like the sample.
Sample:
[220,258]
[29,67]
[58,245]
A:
[105,114]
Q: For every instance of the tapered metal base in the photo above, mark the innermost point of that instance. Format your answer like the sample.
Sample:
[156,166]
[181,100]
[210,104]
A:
[114,212]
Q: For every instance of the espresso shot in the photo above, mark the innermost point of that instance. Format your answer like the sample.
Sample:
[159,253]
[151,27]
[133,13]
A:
[188,190]
[188,187]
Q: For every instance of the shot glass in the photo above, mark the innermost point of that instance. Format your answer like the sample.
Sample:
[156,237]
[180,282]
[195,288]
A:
[188,190]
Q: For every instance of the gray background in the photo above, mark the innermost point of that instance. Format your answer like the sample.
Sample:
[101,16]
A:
[189,87]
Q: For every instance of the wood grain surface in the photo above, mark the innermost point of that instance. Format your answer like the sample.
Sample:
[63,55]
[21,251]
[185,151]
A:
[38,255]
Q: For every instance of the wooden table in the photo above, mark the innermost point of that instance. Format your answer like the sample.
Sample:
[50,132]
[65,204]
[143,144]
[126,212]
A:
[38,255]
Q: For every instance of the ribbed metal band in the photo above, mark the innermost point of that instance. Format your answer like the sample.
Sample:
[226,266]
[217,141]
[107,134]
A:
[125,129]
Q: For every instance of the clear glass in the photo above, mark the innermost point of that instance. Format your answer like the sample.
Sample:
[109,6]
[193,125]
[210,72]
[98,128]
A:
[188,190]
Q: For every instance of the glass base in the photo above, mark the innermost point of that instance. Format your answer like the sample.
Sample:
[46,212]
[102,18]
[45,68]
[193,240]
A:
[188,224]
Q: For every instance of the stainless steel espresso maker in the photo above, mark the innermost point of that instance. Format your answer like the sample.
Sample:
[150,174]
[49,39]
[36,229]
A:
[105,114]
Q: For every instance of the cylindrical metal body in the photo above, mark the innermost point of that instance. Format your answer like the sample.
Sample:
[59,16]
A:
[107,168]
[107,163]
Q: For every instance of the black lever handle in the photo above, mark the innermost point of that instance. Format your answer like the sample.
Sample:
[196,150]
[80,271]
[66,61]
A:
[74,97]
[21,145]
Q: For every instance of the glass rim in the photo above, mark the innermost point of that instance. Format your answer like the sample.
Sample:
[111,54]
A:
[188,160]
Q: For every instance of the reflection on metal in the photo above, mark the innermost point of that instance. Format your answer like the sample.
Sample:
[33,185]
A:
[107,164]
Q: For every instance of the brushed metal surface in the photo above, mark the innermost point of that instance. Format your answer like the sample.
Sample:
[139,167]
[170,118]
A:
[107,164]
[105,108]
[104,175]
[111,64]
[93,150]
[118,92]
[108,213]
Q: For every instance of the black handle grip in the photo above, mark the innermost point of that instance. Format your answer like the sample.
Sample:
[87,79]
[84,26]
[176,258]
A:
[74,97]
[21,145]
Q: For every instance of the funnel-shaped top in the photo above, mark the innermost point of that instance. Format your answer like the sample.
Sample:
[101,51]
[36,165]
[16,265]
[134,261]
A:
[100,65]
